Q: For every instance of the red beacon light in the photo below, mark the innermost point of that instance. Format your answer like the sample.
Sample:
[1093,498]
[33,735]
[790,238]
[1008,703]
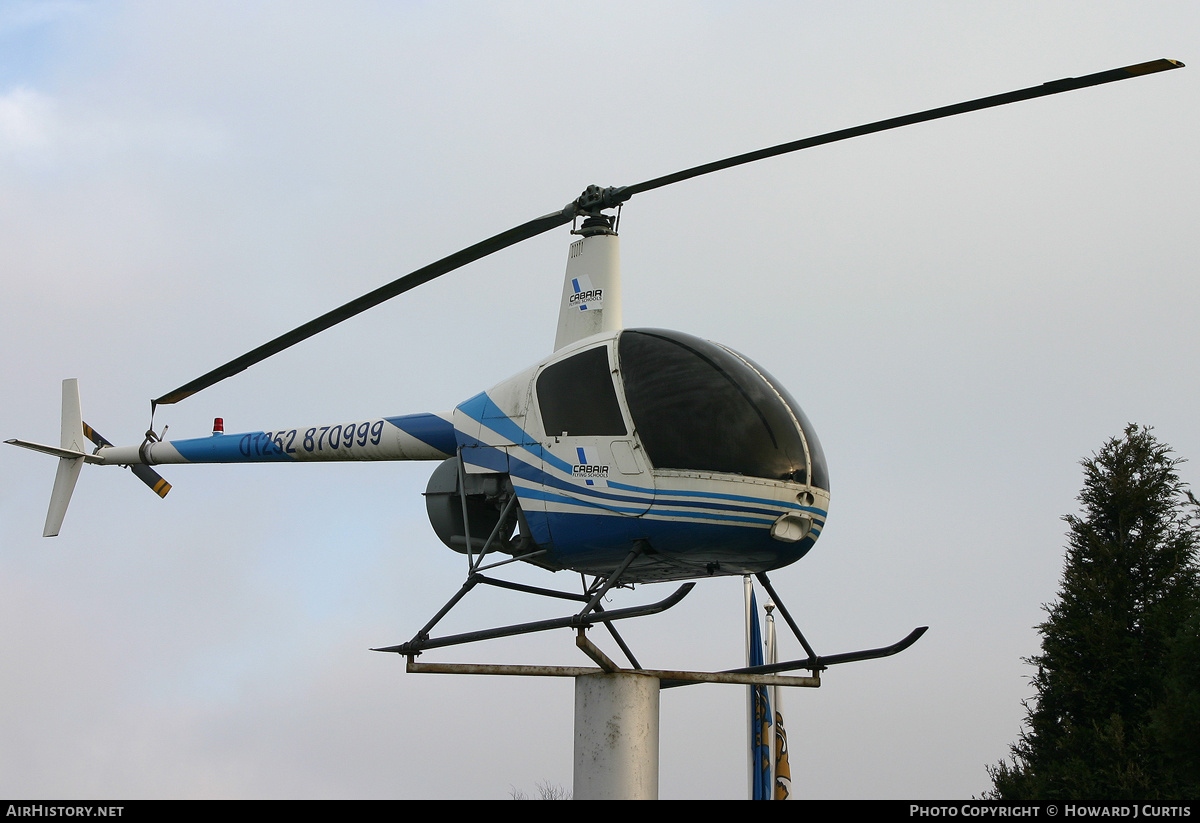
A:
[218,426]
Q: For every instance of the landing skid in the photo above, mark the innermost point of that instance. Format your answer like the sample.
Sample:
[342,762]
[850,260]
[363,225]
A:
[593,613]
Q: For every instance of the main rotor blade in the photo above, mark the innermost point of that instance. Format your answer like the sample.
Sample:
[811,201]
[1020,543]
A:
[1052,87]
[409,281]
[595,199]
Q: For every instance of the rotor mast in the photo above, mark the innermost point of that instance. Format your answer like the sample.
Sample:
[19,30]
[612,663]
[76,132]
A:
[591,296]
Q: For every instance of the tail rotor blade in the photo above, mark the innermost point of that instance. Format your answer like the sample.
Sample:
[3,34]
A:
[95,436]
[151,478]
[141,471]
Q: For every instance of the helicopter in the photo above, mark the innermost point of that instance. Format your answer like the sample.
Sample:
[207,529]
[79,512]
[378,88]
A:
[635,455]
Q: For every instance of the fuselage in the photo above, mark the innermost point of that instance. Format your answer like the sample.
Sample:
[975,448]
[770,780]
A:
[655,436]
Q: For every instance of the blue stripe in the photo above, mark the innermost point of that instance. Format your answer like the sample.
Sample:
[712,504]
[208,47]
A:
[477,409]
[226,448]
[721,496]
[428,428]
[556,498]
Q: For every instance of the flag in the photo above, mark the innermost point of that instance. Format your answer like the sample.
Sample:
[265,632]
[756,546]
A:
[781,773]
[783,769]
[760,716]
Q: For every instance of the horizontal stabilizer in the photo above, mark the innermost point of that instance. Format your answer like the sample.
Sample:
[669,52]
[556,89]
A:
[56,451]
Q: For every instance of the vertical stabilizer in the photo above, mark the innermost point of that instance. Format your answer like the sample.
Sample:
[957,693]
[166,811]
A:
[591,301]
[72,439]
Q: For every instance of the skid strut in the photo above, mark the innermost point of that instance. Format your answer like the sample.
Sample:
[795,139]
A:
[814,662]
[593,612]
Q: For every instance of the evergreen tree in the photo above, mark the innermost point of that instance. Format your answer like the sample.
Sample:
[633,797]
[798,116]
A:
[1176,721]
[1117,708]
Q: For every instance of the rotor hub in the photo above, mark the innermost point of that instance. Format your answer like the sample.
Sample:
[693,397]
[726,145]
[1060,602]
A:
[596,224]
[595,199]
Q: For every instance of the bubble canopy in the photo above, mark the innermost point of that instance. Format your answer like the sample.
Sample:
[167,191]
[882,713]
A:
[698,406]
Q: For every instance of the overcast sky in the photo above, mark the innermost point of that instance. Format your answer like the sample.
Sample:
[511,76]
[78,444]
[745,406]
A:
[965,309]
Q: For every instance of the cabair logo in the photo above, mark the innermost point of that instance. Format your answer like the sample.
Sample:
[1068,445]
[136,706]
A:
[589,469]
[592,296]
[584,296]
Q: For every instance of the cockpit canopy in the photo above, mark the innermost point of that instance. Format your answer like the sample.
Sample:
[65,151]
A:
[700,406]
[696,406]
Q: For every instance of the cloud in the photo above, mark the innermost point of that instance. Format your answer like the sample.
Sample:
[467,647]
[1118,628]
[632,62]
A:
[25,123]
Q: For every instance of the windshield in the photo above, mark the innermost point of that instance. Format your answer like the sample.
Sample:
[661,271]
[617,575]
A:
[698,406]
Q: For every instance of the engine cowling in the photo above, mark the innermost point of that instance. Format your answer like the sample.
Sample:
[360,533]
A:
[485,496]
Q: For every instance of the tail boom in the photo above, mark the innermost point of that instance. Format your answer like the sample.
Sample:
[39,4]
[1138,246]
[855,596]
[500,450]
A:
[408,437]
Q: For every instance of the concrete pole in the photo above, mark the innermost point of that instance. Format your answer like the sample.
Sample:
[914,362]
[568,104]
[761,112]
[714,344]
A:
[616,737]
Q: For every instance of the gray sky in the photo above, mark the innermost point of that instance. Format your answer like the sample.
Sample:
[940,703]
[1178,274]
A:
[965,309]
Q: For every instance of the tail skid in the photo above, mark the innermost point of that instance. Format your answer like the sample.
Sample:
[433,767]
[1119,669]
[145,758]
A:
[71,457]
[64,485]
